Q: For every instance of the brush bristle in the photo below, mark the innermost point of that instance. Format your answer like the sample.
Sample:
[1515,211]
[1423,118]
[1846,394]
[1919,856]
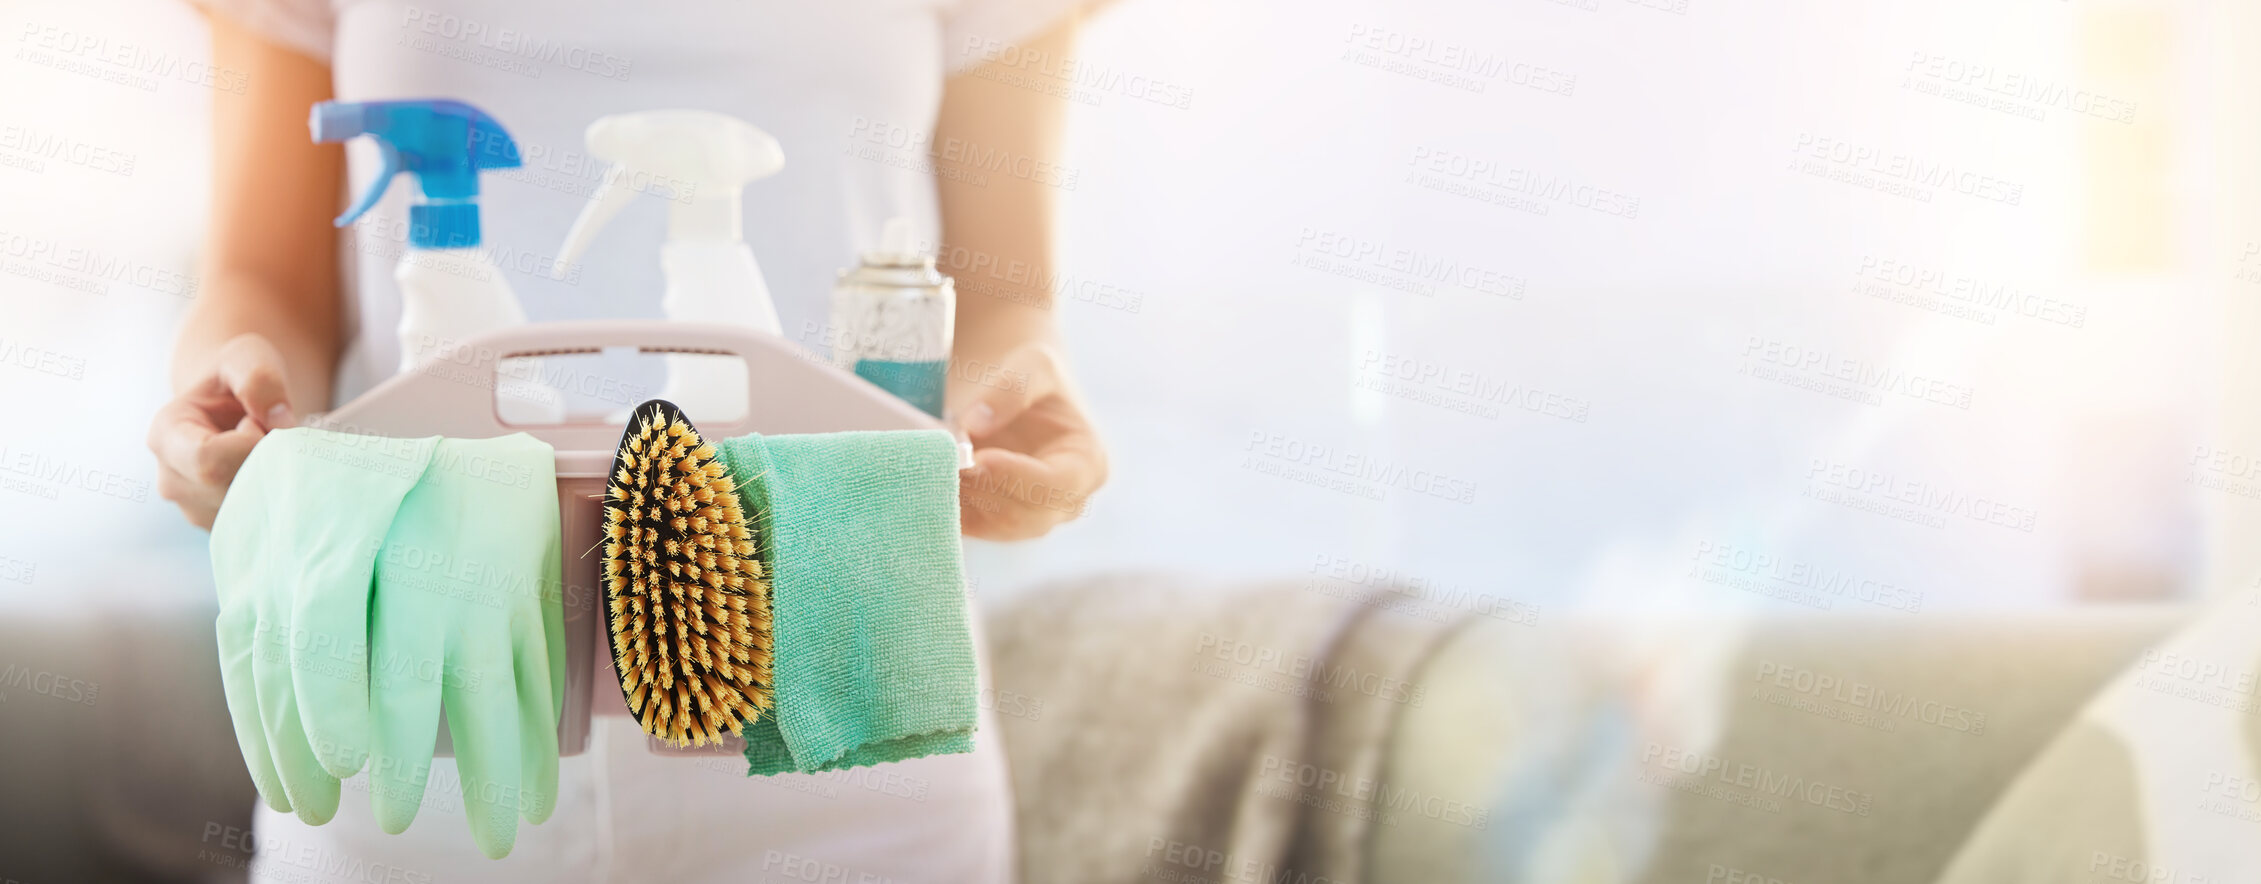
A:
[687,600]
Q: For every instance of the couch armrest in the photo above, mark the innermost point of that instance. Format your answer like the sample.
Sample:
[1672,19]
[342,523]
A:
[1568,761]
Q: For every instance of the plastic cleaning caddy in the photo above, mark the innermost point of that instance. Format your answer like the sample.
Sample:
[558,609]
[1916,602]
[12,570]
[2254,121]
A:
[788,390]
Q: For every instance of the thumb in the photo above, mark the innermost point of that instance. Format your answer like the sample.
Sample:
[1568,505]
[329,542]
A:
[997,393]
[252,371]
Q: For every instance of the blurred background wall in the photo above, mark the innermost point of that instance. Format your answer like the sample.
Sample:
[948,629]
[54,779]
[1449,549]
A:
[1655,303]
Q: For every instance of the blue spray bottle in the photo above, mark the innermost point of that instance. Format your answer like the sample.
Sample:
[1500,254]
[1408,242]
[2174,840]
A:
[450,290]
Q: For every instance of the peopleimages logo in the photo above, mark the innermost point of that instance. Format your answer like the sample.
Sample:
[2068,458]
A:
[49,684]
[118,59]
[285,859]
[1304,668]
[1424,375]
[1846,377]
[514,43]
[1448,63]
[1524,190]
[950,154]
[1758,779]
[1934,289]
[1364,471]
[44,474]
[1070,77]
[86,269]
[1395,589]
[1410,269]
[1921,502]
[2016,89]
[1790,579]
[1170,860]
[1863,695]
[1318,786]
[64,149]
[43,360]
[1896,173]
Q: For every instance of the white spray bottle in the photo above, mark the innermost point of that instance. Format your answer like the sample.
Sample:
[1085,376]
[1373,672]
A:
[450,291]
[705,159]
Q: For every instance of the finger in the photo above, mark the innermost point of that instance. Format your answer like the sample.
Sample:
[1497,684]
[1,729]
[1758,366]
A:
[537,722]
[177,436]
[330,647]
[200,503]
[541,685]
[330,665]
[235,628]
[404,711]
[211,396]
[313,792]
[1000,393]
[482,720]
[223,454]
[1009,495]
[252,370]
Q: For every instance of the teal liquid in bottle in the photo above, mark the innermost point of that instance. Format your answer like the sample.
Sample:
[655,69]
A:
[918,383]
[892,318]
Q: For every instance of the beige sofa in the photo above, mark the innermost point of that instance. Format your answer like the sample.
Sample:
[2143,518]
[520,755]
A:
[1531,751]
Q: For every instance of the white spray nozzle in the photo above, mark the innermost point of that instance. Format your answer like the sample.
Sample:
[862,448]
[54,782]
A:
[895,236]
[701,159]
[896,246]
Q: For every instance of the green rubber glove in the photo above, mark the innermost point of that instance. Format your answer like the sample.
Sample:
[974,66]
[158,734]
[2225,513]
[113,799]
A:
[468,611]
[293,549]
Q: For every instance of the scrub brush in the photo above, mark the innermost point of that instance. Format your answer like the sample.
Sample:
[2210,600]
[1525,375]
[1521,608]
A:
[688,601]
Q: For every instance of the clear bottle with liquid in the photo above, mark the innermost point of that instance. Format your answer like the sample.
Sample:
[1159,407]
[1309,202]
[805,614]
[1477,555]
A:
[892,317]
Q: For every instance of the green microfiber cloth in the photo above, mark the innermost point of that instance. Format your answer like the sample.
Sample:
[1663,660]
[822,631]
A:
[872,640]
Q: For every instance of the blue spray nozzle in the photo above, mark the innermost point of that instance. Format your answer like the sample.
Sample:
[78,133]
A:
[443,143]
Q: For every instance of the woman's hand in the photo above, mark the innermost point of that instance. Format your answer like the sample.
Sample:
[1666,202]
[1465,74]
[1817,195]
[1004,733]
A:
[1036,457]
[203,435]
[258,344]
